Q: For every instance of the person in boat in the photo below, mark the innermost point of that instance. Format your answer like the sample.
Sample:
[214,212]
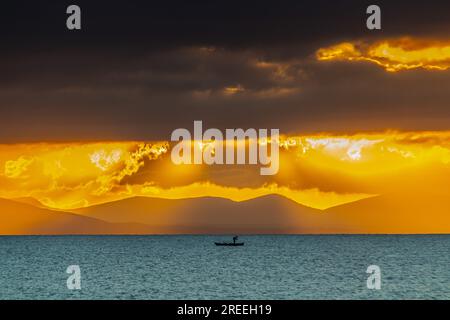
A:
[235,238]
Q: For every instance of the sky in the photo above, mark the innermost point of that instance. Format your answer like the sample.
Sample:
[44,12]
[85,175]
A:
[139,70]
[86,115]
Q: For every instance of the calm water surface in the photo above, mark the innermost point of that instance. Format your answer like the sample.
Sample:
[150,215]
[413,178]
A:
[192,267]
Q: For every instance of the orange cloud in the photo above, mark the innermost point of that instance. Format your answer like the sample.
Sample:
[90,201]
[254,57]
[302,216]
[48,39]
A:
[393,55]
[16,168]
[232,90]
[319,170]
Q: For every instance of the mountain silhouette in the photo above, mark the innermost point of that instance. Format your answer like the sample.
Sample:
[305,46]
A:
[267,214]
[393,213]
[271,214]
[23,219]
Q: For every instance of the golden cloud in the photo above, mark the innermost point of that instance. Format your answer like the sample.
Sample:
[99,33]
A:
[232,90]
[320,170]
[393,55]
[16,168]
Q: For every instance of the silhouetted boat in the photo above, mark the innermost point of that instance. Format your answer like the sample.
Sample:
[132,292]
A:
[231,244]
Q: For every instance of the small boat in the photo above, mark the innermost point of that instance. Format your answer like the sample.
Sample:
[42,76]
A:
[231,244]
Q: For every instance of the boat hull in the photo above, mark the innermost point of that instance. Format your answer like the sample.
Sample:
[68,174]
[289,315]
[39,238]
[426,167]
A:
[237,244]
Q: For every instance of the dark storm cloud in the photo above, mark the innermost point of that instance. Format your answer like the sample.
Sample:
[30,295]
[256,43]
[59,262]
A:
[138,70]
[162,24]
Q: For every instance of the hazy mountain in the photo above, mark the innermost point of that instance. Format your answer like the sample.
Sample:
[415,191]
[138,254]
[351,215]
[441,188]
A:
[395,213]
[19,218]
[268,214]
[30,200]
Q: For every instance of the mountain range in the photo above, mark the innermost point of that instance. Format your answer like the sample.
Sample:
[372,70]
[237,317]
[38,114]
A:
[385,214]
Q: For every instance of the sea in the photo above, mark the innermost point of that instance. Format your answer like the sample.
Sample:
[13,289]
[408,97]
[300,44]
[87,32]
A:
[193,267]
